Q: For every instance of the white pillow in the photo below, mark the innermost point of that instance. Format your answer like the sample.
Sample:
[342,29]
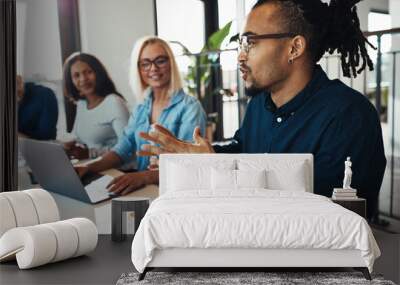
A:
[292,178]
[186,175]
[251,178]
[223,179]
[280,174]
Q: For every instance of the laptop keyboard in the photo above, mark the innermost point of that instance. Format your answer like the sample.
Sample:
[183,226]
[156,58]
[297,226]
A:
[90,177]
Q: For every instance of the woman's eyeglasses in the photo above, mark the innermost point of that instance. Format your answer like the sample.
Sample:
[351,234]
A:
[245,41]
[159,62]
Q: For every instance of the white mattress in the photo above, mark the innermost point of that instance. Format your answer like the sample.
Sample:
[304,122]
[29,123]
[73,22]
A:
[253,218]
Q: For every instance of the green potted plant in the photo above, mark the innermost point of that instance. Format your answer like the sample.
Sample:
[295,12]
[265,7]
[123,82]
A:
[200,72]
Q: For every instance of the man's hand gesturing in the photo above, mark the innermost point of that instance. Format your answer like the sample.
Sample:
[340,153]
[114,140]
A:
[168,143]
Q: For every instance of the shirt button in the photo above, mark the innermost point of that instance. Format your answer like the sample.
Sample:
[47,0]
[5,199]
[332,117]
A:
[279,119]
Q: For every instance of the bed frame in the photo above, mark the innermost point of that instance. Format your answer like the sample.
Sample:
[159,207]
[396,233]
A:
[256,258]
[242,258]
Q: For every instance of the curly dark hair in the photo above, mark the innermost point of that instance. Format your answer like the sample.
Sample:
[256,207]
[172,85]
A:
[327,28]
[104,84]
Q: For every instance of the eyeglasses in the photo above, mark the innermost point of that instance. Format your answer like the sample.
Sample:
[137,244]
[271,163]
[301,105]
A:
[245,41]
[160,62]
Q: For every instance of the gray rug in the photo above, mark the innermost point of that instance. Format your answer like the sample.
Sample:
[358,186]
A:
[229,278]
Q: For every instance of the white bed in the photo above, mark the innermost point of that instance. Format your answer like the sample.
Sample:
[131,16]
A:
[203,219]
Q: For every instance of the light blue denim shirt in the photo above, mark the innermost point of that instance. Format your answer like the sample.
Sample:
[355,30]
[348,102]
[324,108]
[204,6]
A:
[181,116]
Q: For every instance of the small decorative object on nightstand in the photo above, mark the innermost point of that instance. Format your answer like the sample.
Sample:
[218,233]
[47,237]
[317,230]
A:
[348,173]
[138,205]
[347,196]
[345,193]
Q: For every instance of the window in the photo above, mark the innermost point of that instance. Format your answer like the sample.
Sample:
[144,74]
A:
[185,27]
[379,21]
[234,102]
[185,24]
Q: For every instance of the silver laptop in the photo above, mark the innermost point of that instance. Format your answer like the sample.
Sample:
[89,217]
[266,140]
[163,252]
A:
[54,171]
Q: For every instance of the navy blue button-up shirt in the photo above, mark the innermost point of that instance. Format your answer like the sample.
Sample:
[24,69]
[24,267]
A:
[329,120]
[38,112]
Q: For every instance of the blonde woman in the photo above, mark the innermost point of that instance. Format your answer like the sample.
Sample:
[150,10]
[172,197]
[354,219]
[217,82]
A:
[156,82]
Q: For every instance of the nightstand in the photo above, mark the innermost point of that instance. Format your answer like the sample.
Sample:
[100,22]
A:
[358,206]
[138,205]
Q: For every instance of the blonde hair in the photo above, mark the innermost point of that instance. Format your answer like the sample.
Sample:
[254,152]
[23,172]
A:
[135,80]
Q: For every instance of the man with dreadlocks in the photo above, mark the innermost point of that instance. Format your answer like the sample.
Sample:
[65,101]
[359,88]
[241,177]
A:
[294,107]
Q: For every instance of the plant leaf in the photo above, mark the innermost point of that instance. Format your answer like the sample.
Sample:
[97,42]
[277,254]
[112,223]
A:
[216,39]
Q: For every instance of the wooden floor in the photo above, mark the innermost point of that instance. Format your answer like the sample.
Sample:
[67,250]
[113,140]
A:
[111,259]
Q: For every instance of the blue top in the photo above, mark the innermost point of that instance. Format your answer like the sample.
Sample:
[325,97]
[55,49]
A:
[38,112]
[329,120]
[181,116]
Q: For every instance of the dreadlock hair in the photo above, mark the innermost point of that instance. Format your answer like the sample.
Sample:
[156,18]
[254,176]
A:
[327,28]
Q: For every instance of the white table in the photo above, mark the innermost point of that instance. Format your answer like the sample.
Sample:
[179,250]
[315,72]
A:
[99,213]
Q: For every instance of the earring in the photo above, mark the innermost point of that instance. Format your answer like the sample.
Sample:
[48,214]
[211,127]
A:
[290,61]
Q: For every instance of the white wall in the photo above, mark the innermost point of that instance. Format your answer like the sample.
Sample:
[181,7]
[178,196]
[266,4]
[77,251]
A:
[38,39]
[109,30]
[186,25]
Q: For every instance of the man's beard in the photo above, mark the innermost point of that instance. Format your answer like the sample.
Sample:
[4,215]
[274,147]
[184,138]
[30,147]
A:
[253,91]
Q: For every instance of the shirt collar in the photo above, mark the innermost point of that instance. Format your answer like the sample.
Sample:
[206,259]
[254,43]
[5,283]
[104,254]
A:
[176,97]
[318,80]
